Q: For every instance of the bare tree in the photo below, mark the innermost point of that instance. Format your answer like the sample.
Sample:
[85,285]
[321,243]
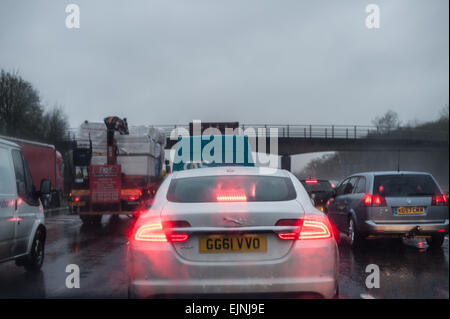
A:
[20,107]
[22,115]
[387,122]
[55,125]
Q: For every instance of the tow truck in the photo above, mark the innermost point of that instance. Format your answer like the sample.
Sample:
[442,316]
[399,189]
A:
[120,183]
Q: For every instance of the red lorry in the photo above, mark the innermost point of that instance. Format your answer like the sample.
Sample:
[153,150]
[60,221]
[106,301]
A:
[45,162]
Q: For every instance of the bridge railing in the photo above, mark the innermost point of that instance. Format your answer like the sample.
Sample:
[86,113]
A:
[326,131]
[350,132]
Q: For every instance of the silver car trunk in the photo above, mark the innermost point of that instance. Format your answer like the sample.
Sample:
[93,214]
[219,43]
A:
[232,219]
[408,198]
[393,212]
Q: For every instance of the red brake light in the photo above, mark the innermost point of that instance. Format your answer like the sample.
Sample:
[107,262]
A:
[311,181]
[314,229]
[289,222]
[309,228]
[374,200]
[439,200]
[76,199]
[162,232]
[151,232]
[231,196]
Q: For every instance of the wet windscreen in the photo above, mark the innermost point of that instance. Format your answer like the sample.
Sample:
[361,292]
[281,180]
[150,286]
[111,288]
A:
[317,187]
[405,185]
[240,188]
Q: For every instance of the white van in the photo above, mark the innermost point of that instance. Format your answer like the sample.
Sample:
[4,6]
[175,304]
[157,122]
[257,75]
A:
[22,229]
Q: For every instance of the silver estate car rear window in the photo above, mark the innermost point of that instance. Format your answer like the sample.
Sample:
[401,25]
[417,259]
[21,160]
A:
[239,188]
[405,185]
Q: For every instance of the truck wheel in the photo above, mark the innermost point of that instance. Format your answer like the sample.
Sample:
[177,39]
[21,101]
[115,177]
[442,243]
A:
[85,219]
[35,259]
[435,241]
[97,219]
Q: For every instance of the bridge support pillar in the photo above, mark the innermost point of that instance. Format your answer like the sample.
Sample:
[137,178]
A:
[286,162]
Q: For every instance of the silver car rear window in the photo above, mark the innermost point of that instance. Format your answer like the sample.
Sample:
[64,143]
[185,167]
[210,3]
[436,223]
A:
[405,185]
[237,188]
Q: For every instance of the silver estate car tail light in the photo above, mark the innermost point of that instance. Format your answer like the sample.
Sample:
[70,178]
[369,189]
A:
[439,200]
[373,200]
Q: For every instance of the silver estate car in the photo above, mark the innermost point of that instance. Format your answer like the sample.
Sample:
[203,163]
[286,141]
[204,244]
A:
[232,230]
[390,204]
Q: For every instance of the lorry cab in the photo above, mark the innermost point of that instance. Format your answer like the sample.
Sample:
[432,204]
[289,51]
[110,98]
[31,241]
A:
[22,228]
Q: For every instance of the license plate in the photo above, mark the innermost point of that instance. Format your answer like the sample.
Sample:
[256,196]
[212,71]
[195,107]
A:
[232,244]
[414,210]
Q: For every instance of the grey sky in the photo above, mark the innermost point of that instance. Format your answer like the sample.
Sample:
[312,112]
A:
[291,61]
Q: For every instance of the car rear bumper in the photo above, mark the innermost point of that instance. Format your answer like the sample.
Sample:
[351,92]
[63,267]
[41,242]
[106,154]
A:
[323,286]
[414,229]
[310,267]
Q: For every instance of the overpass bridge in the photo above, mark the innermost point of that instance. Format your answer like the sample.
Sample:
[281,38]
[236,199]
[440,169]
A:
[300,139]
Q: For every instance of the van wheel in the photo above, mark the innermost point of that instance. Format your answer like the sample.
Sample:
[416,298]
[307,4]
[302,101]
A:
[435,241]
[35,259]
[354,237]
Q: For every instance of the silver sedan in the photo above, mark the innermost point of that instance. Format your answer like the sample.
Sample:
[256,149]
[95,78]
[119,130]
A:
[233,230]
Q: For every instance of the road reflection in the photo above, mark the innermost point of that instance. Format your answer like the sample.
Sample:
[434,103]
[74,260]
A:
[408,269]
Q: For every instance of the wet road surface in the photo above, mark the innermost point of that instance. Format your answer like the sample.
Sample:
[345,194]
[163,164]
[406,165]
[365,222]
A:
[407,268]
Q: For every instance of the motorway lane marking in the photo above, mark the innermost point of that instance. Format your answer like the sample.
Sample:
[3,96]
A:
[62,220]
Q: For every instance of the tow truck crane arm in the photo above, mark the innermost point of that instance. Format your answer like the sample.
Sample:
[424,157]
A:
[113,124]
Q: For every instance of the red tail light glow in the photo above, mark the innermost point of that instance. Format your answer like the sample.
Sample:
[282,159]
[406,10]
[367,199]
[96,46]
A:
[439,200]
[309,228]
[374,200]
[231,196]
[161,232]
[312,229]
[311,181]
[131,195]
[150,232]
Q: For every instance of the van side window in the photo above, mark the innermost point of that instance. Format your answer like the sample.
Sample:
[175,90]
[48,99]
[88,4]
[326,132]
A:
[18,169]
[22,175]
[7,184]
[360,186]
[28,179]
